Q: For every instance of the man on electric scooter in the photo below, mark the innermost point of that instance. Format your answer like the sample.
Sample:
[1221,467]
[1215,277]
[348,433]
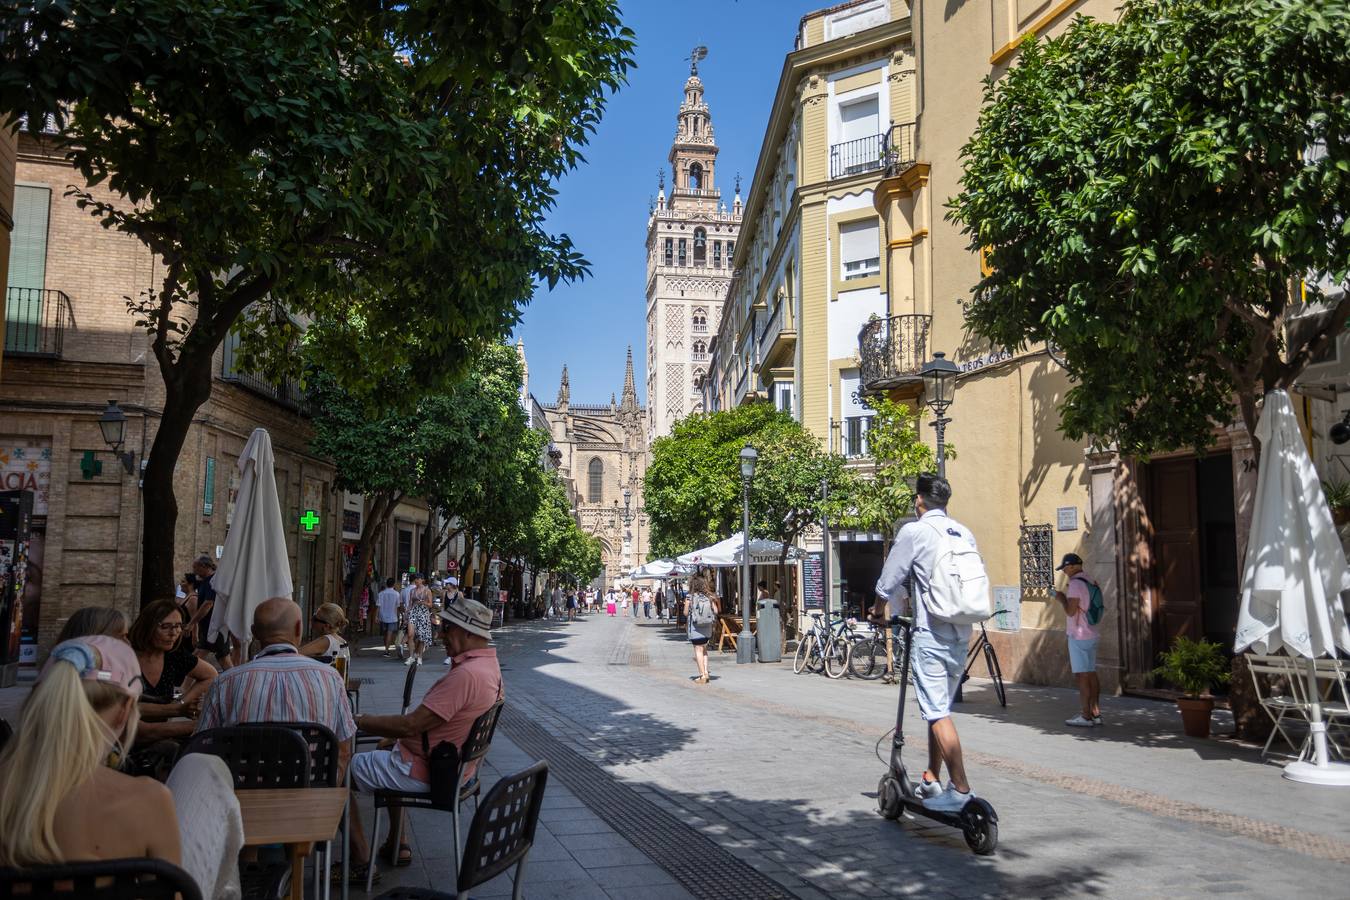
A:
[938,651]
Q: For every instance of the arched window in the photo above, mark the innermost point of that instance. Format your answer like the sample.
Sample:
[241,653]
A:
[700,247]
[596,471]
[695,176]
[700,351]
[700,321]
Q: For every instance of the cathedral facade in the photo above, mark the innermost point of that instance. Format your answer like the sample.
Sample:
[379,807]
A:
[691,239]
[601,451]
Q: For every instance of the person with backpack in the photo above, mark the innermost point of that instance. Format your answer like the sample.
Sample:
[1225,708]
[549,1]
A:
[701,609]
[936,565]
[1083,605]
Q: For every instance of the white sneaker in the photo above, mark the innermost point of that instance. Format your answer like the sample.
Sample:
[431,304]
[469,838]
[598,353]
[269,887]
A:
[409,660]
[925,789]
[1080,721]
[950,800]
[447,661]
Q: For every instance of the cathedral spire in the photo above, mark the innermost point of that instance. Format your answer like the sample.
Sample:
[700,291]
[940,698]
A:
[630,401]
[564,391]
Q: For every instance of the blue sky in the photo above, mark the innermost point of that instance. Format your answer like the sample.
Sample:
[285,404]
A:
[603,204]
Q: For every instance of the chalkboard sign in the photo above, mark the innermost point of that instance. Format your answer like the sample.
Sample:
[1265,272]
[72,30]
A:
[813,580]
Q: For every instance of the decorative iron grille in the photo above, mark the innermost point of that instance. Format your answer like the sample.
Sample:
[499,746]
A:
[892,349]
[1038,558]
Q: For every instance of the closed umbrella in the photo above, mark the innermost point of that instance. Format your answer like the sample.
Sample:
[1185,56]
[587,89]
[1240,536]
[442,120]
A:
[1296,572]
[256,565]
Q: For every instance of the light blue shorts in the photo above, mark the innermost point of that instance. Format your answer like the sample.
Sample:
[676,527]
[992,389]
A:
[1083,655]
[937,668]
[384,770]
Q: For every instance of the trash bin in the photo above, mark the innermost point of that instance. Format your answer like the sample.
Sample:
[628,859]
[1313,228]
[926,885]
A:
[768,633]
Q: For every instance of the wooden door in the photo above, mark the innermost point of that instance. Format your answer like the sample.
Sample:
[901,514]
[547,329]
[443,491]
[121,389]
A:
[1174,511]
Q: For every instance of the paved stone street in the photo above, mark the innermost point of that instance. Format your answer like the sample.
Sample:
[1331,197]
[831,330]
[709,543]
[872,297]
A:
[779,771]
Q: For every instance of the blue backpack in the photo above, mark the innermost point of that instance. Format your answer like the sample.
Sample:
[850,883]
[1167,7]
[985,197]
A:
[1096,605]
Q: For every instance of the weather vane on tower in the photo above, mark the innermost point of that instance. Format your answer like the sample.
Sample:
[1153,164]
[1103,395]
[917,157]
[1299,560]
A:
[698,54]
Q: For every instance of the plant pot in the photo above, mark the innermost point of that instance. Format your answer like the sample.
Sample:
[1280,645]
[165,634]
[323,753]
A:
[1195,713]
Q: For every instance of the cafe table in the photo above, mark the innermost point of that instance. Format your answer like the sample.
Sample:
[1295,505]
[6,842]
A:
[296,817]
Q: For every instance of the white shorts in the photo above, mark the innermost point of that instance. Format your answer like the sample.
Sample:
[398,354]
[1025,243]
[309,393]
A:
[385,770]
[937,674]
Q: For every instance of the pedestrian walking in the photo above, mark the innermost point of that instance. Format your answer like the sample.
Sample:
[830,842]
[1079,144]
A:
[660,604]
[939,647]
[701,609]
[452,595]
[611,603]
[571,606]
[388,603]
[1080,626]
[627,600]
[646,603]
[420,635]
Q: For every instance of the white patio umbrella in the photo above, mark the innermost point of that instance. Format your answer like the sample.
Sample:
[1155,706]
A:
[1296,572]
[728,553]
[659,570]
[255,565]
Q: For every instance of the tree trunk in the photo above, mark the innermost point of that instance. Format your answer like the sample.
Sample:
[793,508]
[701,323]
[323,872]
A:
[187,386]
[379,513]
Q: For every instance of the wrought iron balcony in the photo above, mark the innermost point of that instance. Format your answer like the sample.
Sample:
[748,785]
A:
[892,350]
[857,156]
[898,148]
[35,321]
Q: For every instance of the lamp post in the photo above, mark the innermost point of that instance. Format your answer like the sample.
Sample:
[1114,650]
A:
[113,424]
[745,643]
[627,529]
[939,387]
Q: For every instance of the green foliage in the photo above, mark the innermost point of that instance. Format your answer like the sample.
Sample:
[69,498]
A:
[1193,666]
[692,491]
[1337,494]
[1149,191]
[899,454]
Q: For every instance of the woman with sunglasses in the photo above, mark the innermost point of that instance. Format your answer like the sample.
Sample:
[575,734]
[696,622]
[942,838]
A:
[168,664]
[327,644]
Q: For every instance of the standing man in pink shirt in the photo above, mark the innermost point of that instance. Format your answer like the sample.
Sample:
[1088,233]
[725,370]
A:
[446,713]
[1083,638]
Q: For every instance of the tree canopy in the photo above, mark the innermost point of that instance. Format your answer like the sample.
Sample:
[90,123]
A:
[384,167]
[1151,194]
[899,456]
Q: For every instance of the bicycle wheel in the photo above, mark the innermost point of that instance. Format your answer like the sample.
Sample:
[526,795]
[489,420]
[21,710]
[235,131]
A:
[868,659]
[995,673]
[806,647]
[836,657]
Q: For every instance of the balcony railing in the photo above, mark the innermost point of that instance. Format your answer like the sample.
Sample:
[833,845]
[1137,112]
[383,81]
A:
[35,321]
[288,392]
[891,151]
[857,156]
[892,350]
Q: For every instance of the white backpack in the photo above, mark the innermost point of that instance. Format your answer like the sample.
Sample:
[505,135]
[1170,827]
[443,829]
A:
[959,585]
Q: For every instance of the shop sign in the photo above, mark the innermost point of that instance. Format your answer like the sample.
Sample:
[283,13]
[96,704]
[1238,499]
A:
[988,359]
[209,488]
[26,465]
[351,523]
[1008,608]
[311,508]
[1066,518]
[813,580]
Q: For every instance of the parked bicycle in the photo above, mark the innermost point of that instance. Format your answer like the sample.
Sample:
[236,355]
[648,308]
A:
[985,648]
[825,647]
[871,659]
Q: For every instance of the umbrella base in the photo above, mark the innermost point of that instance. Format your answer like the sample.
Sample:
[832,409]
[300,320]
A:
[1330,775]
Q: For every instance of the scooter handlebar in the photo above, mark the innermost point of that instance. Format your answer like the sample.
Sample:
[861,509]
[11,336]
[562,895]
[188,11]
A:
[902,620]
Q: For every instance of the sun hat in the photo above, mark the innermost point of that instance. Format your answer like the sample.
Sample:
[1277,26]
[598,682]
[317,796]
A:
[472,616]
[100,658]
[451,581]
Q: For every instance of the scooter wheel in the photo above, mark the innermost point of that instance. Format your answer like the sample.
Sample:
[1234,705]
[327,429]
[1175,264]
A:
[980,827]
[888,798]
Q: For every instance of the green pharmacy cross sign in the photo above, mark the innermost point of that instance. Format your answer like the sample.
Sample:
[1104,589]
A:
[310,521]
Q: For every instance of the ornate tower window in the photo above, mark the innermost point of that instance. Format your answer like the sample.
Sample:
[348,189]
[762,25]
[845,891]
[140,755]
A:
[700,351]
[695,170]
[670,251]
[717,254]
[700,246]
[596,475]
[700,321]
[684,256]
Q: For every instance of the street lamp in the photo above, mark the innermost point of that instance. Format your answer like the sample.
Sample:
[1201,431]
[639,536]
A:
[113,424]
[939,387]
[745,644]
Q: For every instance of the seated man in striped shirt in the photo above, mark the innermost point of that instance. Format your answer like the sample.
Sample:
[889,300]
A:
[280,685]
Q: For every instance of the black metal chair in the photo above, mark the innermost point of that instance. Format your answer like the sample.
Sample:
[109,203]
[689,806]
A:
[361,737]
[500,837]
[105,879]
[475,747]
[259,756]
[323,748]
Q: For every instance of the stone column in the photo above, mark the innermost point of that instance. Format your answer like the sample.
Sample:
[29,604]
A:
[1101,545]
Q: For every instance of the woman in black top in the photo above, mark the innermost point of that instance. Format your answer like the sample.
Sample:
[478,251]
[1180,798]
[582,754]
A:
[167,663]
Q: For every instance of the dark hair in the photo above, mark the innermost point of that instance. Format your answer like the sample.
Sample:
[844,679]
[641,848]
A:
[143,629]
[389,582]
[934,489]
[92,620]
[762,585]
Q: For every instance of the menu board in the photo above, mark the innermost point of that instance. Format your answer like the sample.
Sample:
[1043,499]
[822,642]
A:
[813,580]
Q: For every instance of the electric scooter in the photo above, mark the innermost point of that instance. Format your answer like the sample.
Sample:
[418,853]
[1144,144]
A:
[896,793]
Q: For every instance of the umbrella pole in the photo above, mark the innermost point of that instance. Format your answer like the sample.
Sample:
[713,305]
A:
[1321,770]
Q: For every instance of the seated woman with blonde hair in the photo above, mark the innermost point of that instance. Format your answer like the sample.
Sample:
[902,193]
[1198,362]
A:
[61,797]
[328,643]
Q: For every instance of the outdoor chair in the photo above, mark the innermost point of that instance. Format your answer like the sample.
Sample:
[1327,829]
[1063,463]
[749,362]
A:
[105,879]
[500,837]
[1280,696]
[6,732]
[475,747]
[361,737]
[1333,682]
[259,756]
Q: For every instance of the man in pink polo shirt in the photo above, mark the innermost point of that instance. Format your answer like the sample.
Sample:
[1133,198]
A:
[446,713]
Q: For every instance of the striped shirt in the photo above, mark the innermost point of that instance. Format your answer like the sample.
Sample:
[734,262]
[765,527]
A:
[279,685]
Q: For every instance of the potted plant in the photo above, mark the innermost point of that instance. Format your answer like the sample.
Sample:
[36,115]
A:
[1338,498]
[1194,667]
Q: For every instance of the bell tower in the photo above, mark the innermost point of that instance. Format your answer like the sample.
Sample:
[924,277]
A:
[691,239]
